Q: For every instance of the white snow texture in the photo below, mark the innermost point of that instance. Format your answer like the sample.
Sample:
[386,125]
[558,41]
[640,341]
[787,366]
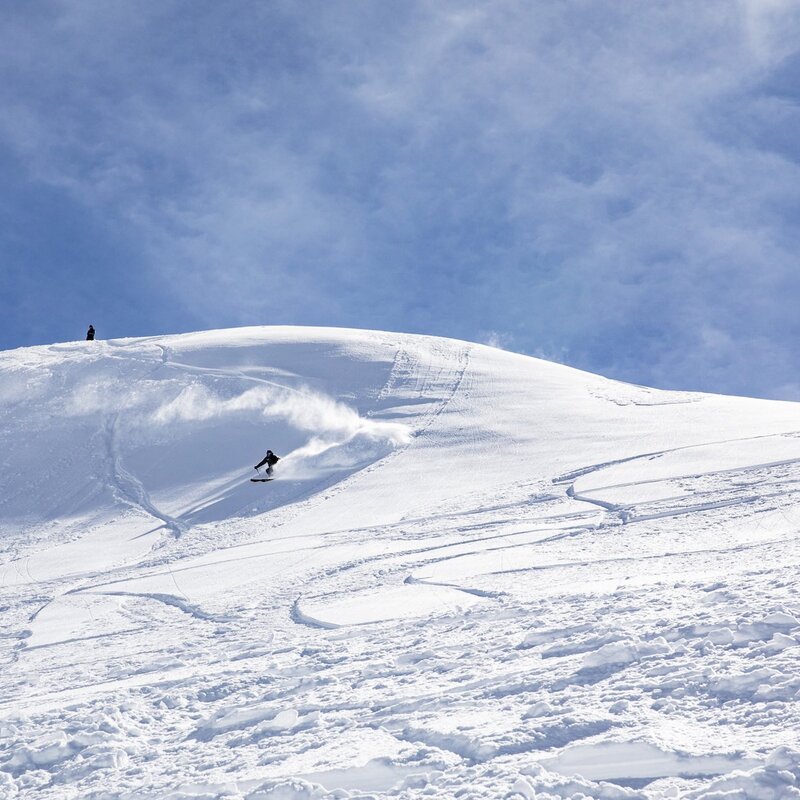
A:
[475,575]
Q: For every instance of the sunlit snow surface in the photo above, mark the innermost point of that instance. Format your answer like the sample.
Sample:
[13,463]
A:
[476,575]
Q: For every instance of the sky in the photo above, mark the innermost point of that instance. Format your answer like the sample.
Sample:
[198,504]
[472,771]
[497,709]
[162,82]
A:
[612,185]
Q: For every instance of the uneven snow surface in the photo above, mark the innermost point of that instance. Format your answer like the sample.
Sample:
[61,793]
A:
[476,575]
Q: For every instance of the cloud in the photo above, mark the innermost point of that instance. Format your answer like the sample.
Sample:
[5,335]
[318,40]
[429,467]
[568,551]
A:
[325,433]
[498,339]
[593,182]
[164,402]
[336,436]
[303,409]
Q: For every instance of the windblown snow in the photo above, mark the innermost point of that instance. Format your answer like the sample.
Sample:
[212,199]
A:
[476,575]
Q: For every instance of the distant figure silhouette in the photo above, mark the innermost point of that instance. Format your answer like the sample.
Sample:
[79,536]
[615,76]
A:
[90,333]
[270,459]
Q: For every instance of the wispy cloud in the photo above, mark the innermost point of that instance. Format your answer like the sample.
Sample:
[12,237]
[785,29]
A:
[608,183]
[324,433]
[305,410]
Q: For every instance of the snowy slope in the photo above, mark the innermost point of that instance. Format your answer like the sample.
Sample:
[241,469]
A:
[477,574]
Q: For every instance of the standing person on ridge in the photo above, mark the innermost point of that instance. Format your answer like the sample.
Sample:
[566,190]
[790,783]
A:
[270,459]
[90,333]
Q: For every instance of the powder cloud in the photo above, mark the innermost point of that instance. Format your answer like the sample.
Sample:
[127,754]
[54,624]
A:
[328,422]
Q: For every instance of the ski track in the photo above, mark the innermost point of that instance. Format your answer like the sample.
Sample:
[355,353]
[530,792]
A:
[130,488]
[613,646]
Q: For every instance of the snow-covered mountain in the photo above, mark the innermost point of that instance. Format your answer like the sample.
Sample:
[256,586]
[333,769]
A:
[476,575]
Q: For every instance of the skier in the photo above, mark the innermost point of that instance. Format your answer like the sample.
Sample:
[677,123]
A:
[90,333]
[270,459]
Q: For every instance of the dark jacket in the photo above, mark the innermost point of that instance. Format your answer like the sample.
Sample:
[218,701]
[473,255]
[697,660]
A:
[270,459]
[90,333]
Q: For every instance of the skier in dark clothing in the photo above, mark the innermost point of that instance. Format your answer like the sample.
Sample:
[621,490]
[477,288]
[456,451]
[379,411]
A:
[90,333]
[270,459]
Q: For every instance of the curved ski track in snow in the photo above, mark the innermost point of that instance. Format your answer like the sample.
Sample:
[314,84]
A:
[131,488]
